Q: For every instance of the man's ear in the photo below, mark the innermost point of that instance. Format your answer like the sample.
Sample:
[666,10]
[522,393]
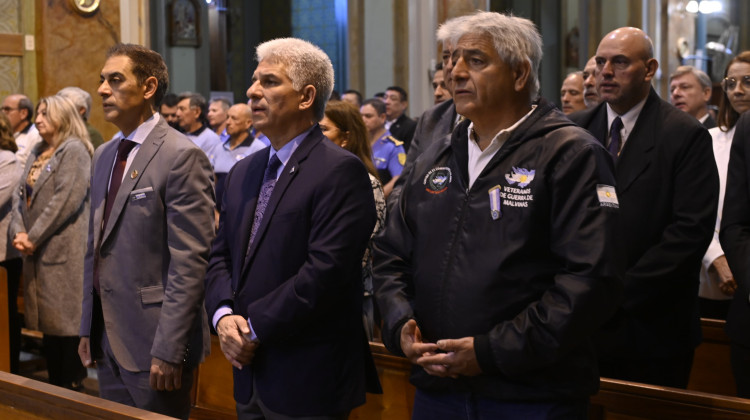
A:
[521,75]
[651,66]
[308,97]
[150,87]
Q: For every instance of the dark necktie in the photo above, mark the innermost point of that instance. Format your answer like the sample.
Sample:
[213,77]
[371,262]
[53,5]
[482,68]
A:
[121,160]
[269,181]
[615,142]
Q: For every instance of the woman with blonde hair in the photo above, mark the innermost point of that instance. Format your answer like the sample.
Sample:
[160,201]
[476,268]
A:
[49,228]
[343,125]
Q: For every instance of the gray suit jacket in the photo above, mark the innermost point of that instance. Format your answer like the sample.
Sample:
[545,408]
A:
[56,221]
[152,255]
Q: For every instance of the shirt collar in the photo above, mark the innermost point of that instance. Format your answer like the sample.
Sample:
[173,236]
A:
[503,134]
[198,131]
[628,119]
[142,131]
[285,153]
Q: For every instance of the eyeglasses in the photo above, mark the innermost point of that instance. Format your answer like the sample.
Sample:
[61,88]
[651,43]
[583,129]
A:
[7,109]
[729,83]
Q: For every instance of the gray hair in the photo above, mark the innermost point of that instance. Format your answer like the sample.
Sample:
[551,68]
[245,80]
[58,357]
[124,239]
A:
[224,102]
[702,77]
[306,64]
[449,29]
[516,40]
[79,97]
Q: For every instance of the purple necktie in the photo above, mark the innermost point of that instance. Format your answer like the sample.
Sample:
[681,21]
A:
[269,181]
[615,142]
[121,160]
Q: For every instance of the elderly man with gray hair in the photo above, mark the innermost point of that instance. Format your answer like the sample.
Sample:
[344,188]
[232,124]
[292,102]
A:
[690,91]
[497,264]
[284,284]
[82,101]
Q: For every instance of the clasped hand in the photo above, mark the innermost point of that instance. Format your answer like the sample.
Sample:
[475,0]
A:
[446,358]
[22,243]
[234,338]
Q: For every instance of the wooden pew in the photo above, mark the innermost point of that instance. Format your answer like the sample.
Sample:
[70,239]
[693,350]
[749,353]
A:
[617,400]
[712,370]
[620,400]
[27,399]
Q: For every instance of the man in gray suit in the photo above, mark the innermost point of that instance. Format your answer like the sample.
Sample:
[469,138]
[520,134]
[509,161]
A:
[151,227]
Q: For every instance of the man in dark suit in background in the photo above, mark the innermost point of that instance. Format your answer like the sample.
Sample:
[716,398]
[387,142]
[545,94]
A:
[690,91]
[401,126]
[284,286]
[667,184]
[150,232]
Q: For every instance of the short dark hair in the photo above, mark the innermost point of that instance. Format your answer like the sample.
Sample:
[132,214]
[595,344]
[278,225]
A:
[379,95]
[146,63]
[25,103]
[377,104]
[401,92]
[356,93]
[438,65]
[196,101]
[170,100]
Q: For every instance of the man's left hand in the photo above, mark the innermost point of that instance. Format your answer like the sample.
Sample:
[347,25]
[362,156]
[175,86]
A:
[459,358]
[165,376]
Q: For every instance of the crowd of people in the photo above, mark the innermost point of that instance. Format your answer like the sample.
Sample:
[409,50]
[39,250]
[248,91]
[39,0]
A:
[512,251]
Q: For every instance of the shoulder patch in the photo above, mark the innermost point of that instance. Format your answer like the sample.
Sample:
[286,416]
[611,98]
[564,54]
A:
[402,158]
[395,141]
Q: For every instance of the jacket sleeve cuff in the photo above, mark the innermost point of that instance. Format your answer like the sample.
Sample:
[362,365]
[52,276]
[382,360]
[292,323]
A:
[395,339]
[483,352]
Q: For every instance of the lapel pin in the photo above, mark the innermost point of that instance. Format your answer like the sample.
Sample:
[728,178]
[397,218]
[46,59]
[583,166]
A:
[292,170]
[134,174]
[48,168]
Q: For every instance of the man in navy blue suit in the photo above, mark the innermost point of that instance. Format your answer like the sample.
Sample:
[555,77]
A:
[284,285]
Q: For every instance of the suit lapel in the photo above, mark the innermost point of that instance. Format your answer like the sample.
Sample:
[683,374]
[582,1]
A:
[634,158]
[144,156]
[100,185]
[292,168]
[253,179]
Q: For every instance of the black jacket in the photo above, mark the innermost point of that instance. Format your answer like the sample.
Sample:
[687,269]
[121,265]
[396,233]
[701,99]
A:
[403,129]
[668,187]
[530,286]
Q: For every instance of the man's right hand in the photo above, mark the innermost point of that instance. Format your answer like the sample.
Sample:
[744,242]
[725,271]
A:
[414,348]
[233,330]
[84,352]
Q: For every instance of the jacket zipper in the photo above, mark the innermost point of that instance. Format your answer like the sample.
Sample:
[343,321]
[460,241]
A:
[451,256]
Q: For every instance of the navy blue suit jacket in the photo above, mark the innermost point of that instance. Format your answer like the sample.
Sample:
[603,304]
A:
[300,283]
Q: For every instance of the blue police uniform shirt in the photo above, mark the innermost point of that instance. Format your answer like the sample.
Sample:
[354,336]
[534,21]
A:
[223,158]
[389,156]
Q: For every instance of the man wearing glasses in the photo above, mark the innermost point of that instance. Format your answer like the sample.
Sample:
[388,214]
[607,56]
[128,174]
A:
[667,184]
[19,110]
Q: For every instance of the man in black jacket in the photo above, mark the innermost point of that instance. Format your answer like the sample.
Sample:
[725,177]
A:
[668,188]
[497,264]
[397,122]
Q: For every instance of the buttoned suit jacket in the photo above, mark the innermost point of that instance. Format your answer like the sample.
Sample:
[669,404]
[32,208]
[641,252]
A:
[735,226]
[152,255]
[667,187]
[300,282]
[403,129]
